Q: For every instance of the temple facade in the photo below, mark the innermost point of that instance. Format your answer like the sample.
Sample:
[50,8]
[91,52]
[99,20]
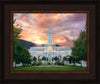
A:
[50,50]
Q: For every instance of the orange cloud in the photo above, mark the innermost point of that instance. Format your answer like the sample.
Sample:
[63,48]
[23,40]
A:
[60,40]
[35,26]
[39,40]
[56,16]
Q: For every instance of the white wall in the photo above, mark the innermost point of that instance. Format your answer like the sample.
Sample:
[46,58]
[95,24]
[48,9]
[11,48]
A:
[84,64]
[17,64]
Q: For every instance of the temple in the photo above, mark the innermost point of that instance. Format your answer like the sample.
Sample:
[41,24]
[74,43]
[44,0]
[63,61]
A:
[50,50]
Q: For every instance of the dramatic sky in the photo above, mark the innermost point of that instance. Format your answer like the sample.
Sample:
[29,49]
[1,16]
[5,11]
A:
[65,27]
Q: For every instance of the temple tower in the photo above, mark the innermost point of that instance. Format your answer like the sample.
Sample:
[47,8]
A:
[50,46]
[50,41]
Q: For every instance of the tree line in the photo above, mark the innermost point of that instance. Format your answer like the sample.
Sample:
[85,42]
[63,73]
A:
[20,53]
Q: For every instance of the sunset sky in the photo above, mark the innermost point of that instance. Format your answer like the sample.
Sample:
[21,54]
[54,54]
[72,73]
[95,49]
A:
[65,27]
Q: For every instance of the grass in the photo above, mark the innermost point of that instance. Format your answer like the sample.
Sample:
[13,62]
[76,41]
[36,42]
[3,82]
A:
[54,68]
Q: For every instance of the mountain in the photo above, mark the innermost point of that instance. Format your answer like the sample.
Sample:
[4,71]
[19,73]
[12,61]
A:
[57,45]
[27,44]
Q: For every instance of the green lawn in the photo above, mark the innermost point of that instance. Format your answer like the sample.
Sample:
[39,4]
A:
[54,68]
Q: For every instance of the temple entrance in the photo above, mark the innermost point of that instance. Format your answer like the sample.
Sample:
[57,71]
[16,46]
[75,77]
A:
[49,58]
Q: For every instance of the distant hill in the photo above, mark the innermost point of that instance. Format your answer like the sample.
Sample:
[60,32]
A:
[57,45]
[27,44]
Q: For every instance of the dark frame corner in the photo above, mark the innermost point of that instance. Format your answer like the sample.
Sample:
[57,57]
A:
[94,74]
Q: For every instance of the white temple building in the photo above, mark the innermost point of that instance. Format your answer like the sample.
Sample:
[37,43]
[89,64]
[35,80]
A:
[50,50]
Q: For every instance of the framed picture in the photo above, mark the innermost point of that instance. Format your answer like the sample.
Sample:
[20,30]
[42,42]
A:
[50,50]
[51,41]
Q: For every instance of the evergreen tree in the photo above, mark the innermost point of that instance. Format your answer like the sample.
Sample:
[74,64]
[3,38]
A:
[34,59]
[56,58]
[20,53]
[43,58]
[79,51]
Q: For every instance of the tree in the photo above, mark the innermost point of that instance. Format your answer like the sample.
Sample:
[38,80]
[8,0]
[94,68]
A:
[72,59]
[79,51]
[25,55]
[16,45]
[56,58]
[43,58]
[64,58]
[20,53]
[34,59]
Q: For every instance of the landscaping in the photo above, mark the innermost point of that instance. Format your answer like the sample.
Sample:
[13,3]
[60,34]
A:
[51,68]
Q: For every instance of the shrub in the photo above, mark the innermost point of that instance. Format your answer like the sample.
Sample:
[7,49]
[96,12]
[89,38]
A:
[49,63]
[43,58]
[56,58]
[34,58]
[34,63]
[59,63]
[62,63]
[39,63]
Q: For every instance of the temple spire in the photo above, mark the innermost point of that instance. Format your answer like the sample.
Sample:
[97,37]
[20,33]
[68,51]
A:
[50,41]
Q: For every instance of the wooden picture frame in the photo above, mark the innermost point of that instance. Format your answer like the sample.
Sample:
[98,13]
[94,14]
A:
[71,77]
